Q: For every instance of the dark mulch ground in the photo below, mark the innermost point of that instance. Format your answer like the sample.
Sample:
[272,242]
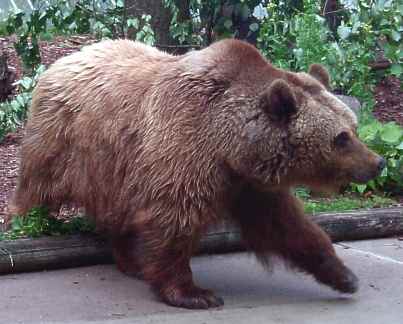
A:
[50,50]
[388,94]
[389,100]
[9,162]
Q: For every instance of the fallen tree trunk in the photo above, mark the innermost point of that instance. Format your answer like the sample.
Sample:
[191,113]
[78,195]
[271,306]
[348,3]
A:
[82,250]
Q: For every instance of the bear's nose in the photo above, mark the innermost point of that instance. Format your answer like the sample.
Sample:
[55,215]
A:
[381,164]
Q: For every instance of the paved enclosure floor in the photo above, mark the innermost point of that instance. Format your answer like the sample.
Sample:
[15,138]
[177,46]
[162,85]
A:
[101,294]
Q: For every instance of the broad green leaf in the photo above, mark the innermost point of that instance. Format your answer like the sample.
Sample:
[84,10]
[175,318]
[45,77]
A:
[396,35]
[361,188]
[26,83]
[391,133]
[396,69]
[133,22]
[368,132]
[254,27]
[228,23]
[344,32]
[356,25]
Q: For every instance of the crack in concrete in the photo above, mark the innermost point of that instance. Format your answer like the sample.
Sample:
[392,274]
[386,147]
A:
[377,256]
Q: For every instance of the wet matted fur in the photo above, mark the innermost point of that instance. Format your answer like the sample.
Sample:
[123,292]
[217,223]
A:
[158,147]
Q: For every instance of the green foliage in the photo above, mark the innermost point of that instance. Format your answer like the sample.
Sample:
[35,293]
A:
[13,113]
[85,16]
[27,44]
[37,223]
[294,40]
[345,203]
[212,20]
[3,28]
[144,33]
[386,140]
[379,22]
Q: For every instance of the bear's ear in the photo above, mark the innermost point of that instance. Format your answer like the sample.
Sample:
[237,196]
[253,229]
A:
[279,101]
[320,73]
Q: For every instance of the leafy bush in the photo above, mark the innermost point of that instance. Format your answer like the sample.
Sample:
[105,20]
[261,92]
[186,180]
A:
[37,223]
[379,22]
[86,16]
[297,39]
[386,140]
[215,19]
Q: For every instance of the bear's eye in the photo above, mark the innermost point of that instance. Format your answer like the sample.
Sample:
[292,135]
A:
[342,139]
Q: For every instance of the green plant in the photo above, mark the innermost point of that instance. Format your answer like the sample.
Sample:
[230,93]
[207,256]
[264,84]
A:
[345,203]
[37,222]
[144,32]
[61,17]
[380,21]
[27,46]
[207,21]
[295,39]
[275,39]
[386,140]
[13,113]
[3,28]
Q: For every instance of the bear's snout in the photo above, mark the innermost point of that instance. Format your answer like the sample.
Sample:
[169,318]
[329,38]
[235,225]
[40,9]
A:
[381,165]
[364,175]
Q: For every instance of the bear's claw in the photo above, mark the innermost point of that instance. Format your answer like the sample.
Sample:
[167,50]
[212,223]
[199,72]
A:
[349,284]
[338,277]
[194,298]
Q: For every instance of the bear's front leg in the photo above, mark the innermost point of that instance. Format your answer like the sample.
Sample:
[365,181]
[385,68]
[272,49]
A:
[273,223]
[164,261]
[124,254]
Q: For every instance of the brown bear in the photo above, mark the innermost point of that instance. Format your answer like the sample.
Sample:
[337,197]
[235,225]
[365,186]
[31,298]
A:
[158,147]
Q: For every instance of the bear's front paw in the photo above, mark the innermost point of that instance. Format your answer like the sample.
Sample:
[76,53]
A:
[338,276]
[191,297]
[348,283]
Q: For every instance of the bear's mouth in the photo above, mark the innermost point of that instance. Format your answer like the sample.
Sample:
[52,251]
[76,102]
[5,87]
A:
[363,177]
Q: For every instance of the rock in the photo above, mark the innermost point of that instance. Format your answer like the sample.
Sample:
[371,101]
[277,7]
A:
[352,102]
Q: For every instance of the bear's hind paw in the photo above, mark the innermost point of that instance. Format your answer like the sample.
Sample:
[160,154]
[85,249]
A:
[192,298]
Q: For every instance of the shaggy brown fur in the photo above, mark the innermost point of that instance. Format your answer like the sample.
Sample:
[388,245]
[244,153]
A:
[157,147]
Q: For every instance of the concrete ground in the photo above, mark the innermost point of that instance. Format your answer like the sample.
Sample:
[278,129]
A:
[100,294]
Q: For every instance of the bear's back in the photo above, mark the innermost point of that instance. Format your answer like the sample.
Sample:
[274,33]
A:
[102,84]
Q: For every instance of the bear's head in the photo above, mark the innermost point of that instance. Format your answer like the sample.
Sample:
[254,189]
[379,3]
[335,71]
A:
[307,137]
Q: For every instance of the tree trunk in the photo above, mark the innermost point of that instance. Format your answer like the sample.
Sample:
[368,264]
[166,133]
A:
[6,79]
[332,14]
[160,19]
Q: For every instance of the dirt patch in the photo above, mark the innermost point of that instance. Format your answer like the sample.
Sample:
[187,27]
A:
[9,162]
[389,100]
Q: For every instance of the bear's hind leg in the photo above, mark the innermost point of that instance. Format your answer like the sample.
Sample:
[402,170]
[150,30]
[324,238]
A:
[274,223]
[164,261]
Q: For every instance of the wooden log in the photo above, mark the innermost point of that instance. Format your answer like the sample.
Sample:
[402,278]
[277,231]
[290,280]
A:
[364,224]
[82,250]
[52,252]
